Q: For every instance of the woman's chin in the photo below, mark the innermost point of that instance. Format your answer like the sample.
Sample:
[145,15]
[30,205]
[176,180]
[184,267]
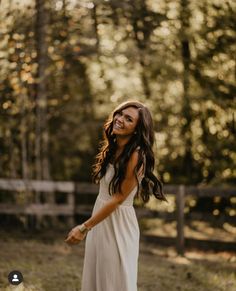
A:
[115,131]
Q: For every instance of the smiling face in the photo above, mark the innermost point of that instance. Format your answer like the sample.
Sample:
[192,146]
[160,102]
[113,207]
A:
[125,121]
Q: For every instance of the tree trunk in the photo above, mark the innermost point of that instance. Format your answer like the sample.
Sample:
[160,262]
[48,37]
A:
[24,160]
[186,108]
[141,36]
[42,133]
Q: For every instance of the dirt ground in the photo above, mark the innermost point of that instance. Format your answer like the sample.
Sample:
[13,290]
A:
[48,264]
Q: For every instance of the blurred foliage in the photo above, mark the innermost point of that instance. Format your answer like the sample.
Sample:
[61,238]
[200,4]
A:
[100,53]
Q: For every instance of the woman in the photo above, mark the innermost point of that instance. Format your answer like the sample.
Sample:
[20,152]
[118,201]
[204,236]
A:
[124,167]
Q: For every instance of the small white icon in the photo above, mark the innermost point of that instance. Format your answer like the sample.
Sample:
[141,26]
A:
[15,278]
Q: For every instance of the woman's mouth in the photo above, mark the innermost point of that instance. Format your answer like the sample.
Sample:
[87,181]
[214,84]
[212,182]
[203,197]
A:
[117,125]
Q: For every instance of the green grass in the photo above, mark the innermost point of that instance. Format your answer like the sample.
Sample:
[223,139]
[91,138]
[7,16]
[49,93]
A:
[47,263]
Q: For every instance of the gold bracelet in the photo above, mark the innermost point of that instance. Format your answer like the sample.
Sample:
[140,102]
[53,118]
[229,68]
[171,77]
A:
[83,228]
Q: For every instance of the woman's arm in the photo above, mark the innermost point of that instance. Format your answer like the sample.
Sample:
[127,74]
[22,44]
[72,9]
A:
[127,186]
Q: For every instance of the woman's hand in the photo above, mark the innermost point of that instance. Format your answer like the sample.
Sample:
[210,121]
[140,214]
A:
[75,236]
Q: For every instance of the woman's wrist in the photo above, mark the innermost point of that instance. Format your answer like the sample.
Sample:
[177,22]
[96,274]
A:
[83,228]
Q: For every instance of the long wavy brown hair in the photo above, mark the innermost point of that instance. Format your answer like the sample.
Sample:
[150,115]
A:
[142,140]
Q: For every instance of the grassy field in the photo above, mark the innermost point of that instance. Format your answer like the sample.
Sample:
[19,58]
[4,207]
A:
[48,264]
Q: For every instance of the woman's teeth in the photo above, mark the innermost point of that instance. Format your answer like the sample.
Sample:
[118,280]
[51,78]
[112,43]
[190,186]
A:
[118,126]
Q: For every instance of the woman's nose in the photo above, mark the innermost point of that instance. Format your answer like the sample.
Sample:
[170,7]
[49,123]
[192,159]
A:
[120,118]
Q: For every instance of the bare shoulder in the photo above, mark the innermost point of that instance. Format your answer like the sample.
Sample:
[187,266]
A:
[132,163]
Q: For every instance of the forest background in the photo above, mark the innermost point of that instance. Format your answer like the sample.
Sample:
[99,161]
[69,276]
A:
[64,65]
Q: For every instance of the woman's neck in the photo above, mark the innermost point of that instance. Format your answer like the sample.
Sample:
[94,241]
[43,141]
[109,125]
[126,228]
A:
[121,142]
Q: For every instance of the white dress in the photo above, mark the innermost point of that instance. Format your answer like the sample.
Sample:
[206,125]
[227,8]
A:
[112,246]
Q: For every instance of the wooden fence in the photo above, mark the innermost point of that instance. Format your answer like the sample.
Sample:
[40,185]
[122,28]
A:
[72,189]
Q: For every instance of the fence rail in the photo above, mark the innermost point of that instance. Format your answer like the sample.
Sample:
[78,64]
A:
[72,189]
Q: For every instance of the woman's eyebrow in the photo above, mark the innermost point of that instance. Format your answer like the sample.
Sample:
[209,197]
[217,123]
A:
[129,116]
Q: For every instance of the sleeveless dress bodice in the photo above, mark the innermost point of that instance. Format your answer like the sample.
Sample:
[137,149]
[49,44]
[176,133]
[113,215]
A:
[104,188]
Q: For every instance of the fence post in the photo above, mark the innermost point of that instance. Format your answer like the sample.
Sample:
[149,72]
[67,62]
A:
[180,201]
[71,203]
